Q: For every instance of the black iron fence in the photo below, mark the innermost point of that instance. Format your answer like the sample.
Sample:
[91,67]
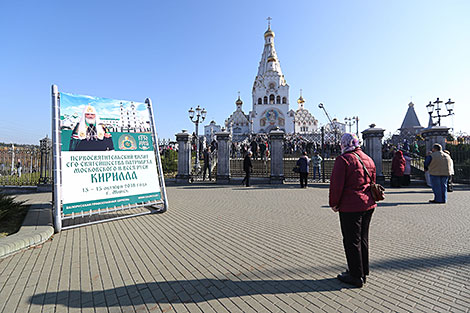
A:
[460,154]
[24,165]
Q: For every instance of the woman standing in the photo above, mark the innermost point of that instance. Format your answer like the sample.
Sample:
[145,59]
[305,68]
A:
[398,169]
[350,195]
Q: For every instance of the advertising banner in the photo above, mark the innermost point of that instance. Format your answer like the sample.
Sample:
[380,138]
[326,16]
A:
[107,154]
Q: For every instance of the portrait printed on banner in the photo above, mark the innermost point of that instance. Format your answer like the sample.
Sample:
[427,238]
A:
[90,134]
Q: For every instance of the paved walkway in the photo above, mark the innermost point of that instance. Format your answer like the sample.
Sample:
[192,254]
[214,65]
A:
[260,249]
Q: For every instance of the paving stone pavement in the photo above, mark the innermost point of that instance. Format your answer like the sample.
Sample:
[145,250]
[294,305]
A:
[259,249]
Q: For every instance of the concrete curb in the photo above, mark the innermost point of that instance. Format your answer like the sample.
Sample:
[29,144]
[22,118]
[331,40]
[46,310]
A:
[36,229]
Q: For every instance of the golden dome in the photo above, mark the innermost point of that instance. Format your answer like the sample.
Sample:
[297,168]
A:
[301,100]
[269,32]
[239,101]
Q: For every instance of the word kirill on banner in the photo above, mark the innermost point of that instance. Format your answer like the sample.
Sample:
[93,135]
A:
[106,156]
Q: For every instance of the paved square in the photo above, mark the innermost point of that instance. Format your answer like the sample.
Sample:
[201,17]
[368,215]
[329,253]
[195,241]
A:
[260,249]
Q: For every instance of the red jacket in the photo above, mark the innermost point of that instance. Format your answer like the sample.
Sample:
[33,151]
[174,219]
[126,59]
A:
[350,185]
[398,164]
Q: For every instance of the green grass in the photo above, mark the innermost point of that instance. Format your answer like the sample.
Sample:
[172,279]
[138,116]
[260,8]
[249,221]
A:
[12,214]
[25,179]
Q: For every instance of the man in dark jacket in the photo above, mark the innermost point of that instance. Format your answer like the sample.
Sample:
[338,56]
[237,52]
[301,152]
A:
[247,167]
[303,163]
[207,163]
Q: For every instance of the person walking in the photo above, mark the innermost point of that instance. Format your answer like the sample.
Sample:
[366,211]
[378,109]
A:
[207,157]
[439,165]
[247,167]
[350,195]
[316,162]
[303,163]
[398,168]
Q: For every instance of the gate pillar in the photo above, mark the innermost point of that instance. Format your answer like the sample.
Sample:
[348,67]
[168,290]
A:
[373,148]
[184,157]
[276,138]
[223,157]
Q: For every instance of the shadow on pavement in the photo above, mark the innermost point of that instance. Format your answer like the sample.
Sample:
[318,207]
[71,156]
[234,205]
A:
[383,204]
[183,291]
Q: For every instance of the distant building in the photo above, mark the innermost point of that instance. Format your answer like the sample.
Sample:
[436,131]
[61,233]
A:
[411,124]
[238,124]
[304,122]
[210,131]
[410,127]
[335,127]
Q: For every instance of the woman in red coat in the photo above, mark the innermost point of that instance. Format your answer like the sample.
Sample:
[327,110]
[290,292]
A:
[398,169]
[350,195]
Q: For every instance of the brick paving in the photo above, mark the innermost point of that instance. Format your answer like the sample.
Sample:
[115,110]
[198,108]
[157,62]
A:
[259,249]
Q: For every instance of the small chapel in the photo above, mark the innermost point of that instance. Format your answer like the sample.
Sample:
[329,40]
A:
[270,100]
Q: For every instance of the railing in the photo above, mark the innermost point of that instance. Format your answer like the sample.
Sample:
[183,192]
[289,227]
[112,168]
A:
[261,168]
[20,166]
[198,173]
[461,157]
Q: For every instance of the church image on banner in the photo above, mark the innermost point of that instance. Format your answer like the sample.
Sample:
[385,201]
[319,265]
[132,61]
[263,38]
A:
[270,101]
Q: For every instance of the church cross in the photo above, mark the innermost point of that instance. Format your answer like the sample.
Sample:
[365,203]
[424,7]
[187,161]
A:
[269,22]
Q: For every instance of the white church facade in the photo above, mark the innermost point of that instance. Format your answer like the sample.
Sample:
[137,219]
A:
[270,93]
[270,101]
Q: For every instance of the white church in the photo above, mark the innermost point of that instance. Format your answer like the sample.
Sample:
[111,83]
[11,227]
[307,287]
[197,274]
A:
[270,98]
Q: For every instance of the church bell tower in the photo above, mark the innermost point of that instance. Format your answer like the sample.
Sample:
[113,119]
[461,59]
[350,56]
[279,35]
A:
[270,92]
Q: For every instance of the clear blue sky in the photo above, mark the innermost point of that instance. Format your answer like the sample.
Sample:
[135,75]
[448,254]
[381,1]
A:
[364,58]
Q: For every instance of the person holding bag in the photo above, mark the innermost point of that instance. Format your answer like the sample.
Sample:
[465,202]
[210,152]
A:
[350,195]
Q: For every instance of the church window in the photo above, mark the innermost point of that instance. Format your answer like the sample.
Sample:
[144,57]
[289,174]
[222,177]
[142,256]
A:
[265,100]
[271,99]
[278,100]
[284,100]
[260,101]
[271,86]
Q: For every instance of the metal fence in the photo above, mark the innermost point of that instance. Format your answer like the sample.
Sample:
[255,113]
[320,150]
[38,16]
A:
[460,154]
[21,165]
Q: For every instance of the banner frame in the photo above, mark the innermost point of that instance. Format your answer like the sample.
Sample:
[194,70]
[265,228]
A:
[156,149]
[57,177]
[58,216]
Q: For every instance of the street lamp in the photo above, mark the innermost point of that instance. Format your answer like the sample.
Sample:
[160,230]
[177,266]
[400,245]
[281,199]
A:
[196,119]
[435,106]
[349,121]
[335,127]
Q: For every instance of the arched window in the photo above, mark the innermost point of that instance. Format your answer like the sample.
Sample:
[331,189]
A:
[284,100]
[271,99]
[265,100]
[260,101]
[278,100]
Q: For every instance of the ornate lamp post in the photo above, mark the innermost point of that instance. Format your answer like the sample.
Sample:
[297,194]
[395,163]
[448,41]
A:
[196,119]
[435,106]
[350,121]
